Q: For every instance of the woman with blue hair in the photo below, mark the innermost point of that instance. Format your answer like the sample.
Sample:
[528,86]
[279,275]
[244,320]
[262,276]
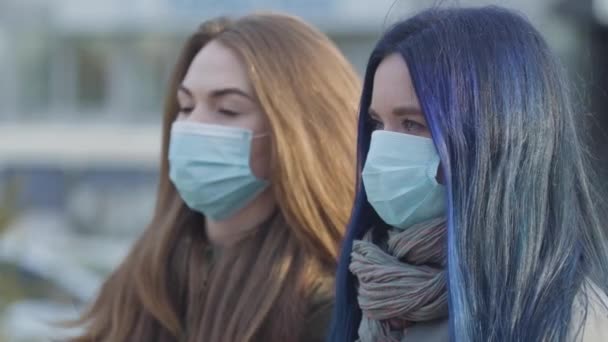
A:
[476,218]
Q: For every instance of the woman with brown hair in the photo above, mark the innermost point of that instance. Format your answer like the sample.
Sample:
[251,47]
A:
[255,189]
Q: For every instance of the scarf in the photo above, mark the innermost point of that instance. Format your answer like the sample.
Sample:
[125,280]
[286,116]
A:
[403,279]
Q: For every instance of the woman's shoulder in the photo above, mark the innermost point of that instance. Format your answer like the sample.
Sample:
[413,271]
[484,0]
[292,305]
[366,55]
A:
[590,325]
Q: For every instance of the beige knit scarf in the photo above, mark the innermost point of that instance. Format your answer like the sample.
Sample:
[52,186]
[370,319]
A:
[403,278]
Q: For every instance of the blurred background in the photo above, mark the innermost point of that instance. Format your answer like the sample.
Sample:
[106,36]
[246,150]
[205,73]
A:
[81,89]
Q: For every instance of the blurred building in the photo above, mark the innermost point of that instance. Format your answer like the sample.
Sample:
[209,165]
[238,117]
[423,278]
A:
[109,60]
[82,84]
[596,22]
[79,75]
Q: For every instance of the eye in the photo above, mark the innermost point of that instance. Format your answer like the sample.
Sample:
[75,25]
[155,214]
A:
[375,124]
[228,112]
[185,102]
[186,110]
[411,126]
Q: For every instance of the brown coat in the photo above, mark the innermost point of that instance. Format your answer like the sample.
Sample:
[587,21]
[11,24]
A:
[318,319]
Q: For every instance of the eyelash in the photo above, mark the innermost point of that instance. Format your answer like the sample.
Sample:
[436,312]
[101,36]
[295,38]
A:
[418,126]
[188,110]
[413,125]
[227,112]
[376,125]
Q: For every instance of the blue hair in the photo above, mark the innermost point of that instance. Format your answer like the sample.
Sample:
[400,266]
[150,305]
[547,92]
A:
[523,232]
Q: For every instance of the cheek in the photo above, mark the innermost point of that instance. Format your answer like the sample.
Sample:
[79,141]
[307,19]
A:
[260,157]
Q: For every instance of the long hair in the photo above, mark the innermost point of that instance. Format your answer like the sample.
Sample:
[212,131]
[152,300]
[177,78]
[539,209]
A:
[167,289]
[523,232]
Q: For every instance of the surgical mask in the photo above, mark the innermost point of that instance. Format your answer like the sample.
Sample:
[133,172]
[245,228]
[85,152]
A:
[209,166]
[400,179]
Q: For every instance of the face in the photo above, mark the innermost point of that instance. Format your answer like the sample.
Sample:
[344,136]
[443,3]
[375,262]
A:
[216,90]
[394,106]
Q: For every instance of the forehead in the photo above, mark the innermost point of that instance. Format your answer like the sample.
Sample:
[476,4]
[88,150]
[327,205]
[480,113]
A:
[216,66]
[393,85]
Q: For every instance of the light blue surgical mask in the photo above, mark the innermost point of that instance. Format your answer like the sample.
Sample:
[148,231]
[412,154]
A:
[209,166]
[400,179]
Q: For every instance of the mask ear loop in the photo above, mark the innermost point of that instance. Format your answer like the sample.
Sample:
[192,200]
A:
[433,170]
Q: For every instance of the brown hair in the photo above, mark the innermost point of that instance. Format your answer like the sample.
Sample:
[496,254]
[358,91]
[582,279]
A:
[167,289]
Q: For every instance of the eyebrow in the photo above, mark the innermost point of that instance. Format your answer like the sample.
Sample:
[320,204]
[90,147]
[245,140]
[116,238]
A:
[399,111]
[219,92]
[407,110]
[230,91]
